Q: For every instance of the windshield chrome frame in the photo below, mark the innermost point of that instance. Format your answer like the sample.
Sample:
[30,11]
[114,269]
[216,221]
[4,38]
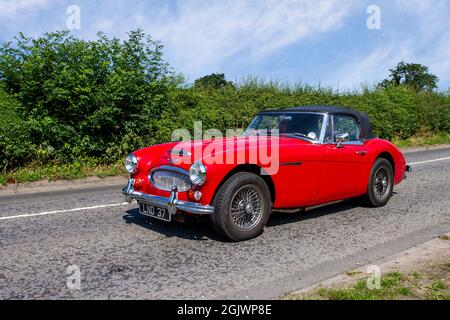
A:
[346,143]
[323,130]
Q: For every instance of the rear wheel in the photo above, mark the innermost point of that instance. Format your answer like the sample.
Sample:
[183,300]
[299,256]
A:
[381,183]
[242,207]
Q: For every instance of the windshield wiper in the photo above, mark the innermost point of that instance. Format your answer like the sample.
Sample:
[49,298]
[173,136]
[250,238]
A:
[288,134]
[297,135]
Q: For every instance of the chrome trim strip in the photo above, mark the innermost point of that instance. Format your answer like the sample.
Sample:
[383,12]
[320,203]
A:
[324,127]
[353,143]
[172,203]
[291,163]
[171,168]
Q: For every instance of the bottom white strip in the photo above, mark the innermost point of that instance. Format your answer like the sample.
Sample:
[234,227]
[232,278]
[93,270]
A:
[64,211]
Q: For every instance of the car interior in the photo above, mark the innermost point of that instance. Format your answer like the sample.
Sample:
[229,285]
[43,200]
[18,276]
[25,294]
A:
[308,125]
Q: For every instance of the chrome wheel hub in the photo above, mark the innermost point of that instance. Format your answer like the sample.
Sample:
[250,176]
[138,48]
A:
[246,208]
[381,185]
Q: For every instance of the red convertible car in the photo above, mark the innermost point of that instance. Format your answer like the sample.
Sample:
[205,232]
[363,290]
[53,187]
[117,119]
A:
[317,154]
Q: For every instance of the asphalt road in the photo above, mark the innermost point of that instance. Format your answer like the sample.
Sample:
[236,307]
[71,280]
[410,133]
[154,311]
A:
[121,254]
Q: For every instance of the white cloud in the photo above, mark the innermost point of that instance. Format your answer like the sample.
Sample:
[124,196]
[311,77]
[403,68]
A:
[11,8]
[370,68]
[202,35]
[424,39]
[433,38]
[225,35]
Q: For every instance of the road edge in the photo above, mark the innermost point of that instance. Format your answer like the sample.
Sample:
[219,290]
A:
[434,250]
[424,148]
[323,271]
[45,186]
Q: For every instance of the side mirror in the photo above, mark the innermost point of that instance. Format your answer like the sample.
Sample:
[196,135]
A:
[341,138]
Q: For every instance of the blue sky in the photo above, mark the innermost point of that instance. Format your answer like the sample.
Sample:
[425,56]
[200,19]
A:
[314,41]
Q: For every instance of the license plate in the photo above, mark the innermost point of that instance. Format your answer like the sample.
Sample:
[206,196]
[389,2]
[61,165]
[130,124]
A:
[154,211]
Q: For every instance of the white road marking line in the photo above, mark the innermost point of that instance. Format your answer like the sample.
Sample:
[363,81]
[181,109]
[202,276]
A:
[64,211]
[428,161]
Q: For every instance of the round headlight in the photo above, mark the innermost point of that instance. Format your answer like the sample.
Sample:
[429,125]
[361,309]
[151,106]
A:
[197,173]
[131,163]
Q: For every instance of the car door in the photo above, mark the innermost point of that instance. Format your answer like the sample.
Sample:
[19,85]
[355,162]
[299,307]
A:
[344,161]
[300,175]
[302,165]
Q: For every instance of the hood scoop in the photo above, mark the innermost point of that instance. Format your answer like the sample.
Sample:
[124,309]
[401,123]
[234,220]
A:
[180,153]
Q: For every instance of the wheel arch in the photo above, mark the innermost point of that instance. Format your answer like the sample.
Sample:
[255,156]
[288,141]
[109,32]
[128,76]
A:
[252,168]
[386,155]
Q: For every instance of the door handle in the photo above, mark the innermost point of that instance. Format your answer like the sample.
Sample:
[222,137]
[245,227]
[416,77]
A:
[361,152]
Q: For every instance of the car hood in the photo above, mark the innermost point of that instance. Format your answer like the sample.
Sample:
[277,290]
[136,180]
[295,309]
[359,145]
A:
[183,154]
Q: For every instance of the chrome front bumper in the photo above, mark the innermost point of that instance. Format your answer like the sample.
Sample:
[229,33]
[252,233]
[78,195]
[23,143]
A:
[172,203]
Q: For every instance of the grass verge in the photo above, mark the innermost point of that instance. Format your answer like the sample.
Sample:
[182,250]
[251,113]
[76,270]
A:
[54,172]
[423,140]
[430,284]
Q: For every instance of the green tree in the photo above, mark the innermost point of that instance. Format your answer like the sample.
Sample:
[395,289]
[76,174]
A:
[213,81]
[413,75]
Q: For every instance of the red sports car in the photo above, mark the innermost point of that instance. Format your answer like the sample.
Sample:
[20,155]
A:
[286,159]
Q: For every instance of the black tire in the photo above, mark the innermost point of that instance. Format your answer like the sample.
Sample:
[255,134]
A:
[381,183]
[242,207]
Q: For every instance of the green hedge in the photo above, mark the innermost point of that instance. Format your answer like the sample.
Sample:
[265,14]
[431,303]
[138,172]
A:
[16,147]
[396,112]
[67,100]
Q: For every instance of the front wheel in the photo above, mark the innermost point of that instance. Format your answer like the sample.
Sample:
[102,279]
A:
[381,183]
[242,207]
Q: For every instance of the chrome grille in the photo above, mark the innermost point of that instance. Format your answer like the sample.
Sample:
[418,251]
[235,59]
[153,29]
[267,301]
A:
[164,178]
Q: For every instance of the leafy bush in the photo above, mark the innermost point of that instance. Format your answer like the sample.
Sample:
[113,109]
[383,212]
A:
[86,98]
[15,140]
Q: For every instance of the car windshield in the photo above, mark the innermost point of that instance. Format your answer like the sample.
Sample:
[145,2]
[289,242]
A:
[302,125]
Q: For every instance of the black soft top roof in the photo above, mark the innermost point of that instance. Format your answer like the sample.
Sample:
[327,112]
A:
[361,118]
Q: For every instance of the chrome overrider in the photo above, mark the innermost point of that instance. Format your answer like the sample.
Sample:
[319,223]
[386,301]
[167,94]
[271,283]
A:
[172,203]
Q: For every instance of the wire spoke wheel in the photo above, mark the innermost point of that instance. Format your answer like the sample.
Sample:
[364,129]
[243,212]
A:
[247,207]
[381,184]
